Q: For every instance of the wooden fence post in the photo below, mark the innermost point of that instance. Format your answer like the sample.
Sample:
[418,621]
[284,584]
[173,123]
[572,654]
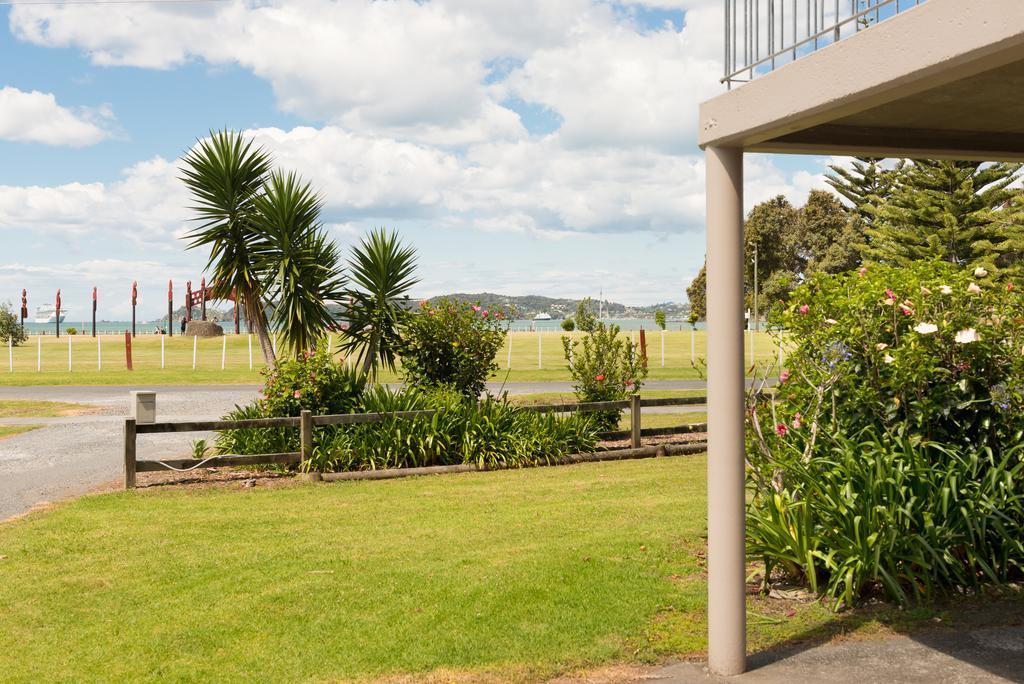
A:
[129,453]
[634,420]
[306,434]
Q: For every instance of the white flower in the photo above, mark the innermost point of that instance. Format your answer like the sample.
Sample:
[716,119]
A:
[926,328]
[831,321]
[925,290]
[945,289]
[967,336]
[973,288]
[881,346]
[888,359]
[980,272]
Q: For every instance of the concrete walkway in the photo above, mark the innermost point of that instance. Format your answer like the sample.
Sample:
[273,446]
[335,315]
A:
[994,654]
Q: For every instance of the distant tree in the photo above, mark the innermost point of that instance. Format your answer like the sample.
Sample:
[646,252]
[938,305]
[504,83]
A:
[10,329]
[584,318]
[949,210]
[773,229]
[829,235]
[697,294]
[568,324]
[659,319]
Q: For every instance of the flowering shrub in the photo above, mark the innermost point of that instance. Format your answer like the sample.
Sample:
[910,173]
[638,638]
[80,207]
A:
[605,366]
[313,382]
[904,386]
[452,344]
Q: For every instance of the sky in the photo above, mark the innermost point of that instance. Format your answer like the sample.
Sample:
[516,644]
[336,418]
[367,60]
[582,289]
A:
[529,147]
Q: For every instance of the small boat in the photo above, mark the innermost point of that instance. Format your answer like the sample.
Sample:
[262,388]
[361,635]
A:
[48,314]
[542,317]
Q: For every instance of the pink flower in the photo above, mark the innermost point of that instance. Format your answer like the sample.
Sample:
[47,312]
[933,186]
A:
[298,393]
[476,308]
[781,429]
[862,271]
[484,314]
[783,376]
[796,420]
[1009,287]
[889,294]
[627,383]
[906,310]
[424,304]
[599,378]
[804,309]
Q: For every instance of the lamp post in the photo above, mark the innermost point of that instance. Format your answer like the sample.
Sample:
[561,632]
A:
[58,312]
[94,311]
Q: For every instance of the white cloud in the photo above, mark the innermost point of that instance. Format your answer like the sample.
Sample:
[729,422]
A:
[35,116]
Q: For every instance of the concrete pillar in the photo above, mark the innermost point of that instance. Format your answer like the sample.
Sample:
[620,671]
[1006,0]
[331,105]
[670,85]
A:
[726,560]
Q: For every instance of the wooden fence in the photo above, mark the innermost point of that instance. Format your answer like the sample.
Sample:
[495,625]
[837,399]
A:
[306,421]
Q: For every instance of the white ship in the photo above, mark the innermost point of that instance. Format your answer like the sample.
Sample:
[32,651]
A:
[542,317]
[48,314]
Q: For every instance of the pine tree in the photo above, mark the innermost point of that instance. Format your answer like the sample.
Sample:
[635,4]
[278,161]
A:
[866,185]
[954,211]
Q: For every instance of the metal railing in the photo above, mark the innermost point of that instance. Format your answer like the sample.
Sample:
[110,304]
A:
[762,35]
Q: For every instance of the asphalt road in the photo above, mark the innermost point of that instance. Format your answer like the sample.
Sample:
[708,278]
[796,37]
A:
[74,454]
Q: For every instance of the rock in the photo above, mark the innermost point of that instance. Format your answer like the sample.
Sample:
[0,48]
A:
[203,329]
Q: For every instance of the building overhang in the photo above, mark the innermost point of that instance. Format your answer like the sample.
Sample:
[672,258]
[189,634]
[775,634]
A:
[942,80]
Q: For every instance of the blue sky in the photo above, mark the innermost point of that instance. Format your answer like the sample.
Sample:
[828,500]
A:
[524,148]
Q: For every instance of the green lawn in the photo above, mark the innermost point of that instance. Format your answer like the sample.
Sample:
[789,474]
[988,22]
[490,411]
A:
[513,574]
[44,360]
[25,408]
[11,430]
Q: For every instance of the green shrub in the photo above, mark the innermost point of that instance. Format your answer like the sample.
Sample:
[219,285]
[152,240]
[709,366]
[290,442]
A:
[313,382]
[72,331]
[887,460]
[10,329]
[568,324]
[605,366]
[490,433]
[452,344]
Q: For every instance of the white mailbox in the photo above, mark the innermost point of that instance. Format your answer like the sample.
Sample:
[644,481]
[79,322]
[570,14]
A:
[144,407]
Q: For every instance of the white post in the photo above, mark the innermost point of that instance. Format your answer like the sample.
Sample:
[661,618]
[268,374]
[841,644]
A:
[539,362]
[223,350]
[662,348]
[99,351]
[508,364]
[726,504]
[10,352]
[70,337]
[163,355]
[250,351]
[39,353]
[195,344]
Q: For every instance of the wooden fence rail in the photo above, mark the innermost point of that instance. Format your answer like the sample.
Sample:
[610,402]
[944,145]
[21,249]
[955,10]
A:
[306,421]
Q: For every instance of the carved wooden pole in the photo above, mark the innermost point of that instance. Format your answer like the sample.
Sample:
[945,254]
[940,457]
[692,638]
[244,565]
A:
[135,301]
[202,299]
[170,308]
[188,301]
[24,308]
[58,313]
[94,311]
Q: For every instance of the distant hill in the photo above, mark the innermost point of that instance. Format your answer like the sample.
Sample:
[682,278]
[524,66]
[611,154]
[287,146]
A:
[528,306]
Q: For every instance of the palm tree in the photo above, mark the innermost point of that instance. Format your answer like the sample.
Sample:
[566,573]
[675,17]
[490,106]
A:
[382,271]
[301,265]
[225,174]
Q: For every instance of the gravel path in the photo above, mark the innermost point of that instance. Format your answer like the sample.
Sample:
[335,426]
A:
[75,454]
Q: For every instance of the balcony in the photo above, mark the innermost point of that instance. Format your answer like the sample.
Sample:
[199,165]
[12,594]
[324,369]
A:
[762,35]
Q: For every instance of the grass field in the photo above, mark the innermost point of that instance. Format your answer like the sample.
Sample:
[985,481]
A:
[24,408]
[11,430]
[44,360]
[513,575]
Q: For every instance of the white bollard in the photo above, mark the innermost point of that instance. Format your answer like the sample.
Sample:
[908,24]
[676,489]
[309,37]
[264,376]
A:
[163,356]
[195,344]
[250,351]
[540,363]
[39,353]
[99,351]
[223,351]
[508,364]
[69,352]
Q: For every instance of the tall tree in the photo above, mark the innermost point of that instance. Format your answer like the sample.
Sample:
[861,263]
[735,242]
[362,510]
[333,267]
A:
[225,173]
[697,293]
[949,210]
[866,184]
[300,265]
[382,269]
